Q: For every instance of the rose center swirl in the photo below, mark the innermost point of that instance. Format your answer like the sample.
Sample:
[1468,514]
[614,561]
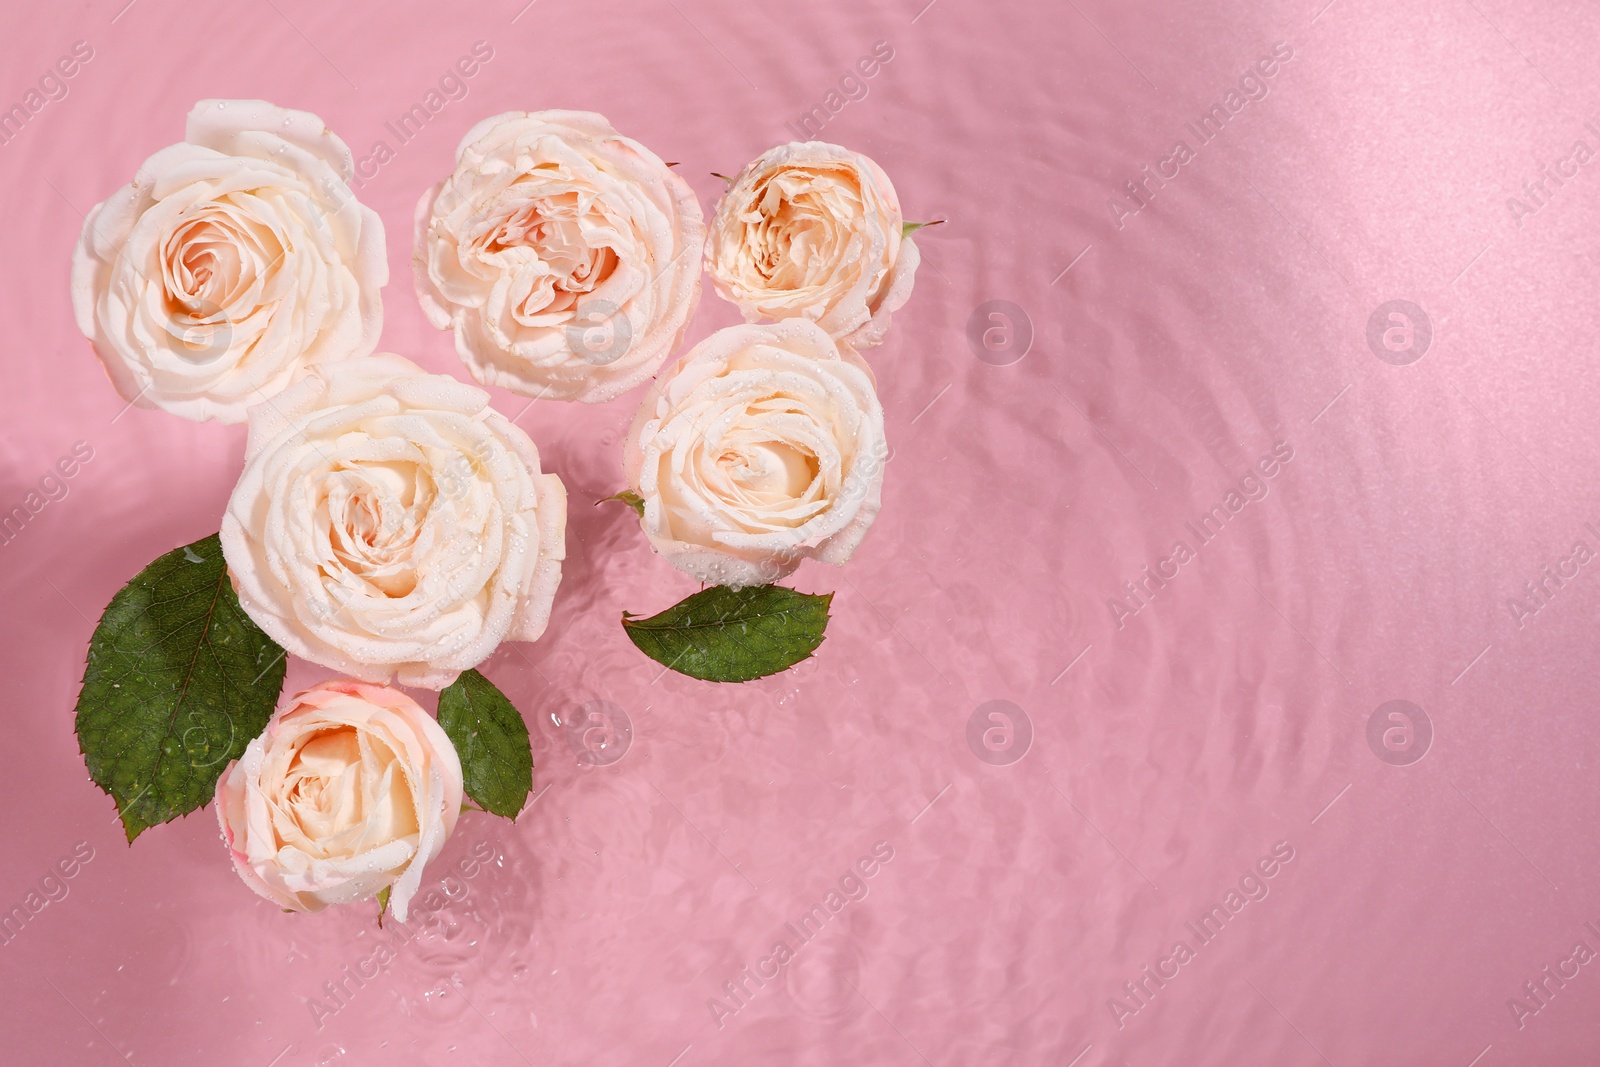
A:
[557,246]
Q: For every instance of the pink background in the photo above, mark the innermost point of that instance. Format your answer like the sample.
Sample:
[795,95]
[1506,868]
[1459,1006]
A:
[1169,754]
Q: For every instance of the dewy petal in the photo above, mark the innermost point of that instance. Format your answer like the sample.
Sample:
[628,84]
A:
[895,290]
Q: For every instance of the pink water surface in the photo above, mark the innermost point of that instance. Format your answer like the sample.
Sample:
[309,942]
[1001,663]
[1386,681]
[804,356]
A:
[1172,749]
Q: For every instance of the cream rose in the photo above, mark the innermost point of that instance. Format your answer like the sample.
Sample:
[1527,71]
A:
[764,446]
[233,261]
[564,256]
[811,230]
[389,522]
[353,787]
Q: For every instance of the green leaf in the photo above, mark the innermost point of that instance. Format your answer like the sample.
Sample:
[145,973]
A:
[492,741]
[909,228]
[628,497]
[178,682]
[727,635]
[383,904]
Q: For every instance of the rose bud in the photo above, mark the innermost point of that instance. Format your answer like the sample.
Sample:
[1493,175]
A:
[351,789]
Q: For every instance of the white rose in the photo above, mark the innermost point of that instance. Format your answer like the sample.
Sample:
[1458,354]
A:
[389,521]
[811,230]
[564,255]
[353,787]
[763,447]
[233,261]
